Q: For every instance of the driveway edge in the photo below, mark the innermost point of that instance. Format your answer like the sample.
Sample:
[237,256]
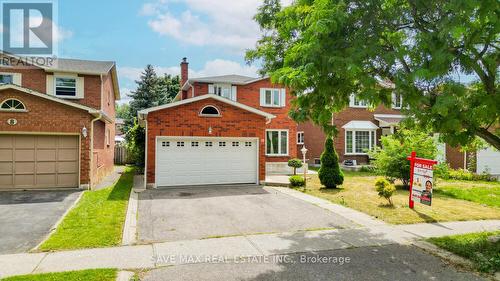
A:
[54,227]
[129,235]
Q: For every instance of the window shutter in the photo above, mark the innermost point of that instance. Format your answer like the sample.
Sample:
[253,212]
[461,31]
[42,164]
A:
[351,100]
[16,79]
[80,87]
[283,97]
[50,85]
[210,88]
[233,93]
[262,97]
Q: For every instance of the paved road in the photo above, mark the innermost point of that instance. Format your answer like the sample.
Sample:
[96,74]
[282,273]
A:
[202,212]
[390,262]
[26,217]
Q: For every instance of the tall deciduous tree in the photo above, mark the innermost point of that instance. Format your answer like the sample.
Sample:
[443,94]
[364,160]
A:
[441,56]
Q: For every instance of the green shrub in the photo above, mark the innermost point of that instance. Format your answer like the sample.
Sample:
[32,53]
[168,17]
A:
[390,160]
[442,170]
[367,169]
[385,189]
[297,181]
[295,164]
[329,173]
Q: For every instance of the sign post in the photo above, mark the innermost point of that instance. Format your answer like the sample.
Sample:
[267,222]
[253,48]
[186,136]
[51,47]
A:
[421,180]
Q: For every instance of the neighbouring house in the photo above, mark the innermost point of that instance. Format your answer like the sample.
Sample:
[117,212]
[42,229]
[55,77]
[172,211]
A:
[57,122]
[219,130]
[360,129]
[119,131]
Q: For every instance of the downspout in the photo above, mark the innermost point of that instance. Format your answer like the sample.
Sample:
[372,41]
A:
[92,149]
[146,153]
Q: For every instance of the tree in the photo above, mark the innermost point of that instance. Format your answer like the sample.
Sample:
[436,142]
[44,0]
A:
[327,50]
[329,173]
[295,164]
[391,160]
[170,85]
[122,110]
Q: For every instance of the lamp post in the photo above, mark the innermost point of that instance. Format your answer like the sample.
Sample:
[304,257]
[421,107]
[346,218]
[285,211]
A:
[304,151]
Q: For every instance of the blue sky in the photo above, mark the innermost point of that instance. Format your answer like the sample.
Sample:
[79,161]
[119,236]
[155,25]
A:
[212,34]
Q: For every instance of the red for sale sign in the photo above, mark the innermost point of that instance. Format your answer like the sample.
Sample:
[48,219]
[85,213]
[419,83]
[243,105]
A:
[421,180]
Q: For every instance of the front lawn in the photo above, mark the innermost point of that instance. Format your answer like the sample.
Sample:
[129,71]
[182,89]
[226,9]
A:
[358,192]
[487,193]
[476,247]
[97,220]
[83,275]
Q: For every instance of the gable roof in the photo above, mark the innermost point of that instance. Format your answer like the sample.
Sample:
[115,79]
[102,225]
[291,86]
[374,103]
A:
[144,112]
[89,67]
[90,110]
[228,79]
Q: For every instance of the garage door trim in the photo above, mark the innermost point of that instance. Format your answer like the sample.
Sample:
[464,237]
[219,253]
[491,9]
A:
[204,138]
[54,134]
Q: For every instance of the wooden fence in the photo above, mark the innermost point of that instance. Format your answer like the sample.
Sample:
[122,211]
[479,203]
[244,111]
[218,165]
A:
[121,155]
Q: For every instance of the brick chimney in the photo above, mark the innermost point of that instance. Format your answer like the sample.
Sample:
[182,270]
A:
[184,71]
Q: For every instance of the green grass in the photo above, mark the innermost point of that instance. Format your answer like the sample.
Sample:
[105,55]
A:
[358,192]
[485,255]
[83,275]
[97,220]
[487,193]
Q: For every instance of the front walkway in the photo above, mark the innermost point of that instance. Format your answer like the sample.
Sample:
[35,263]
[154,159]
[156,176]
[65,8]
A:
[370,232]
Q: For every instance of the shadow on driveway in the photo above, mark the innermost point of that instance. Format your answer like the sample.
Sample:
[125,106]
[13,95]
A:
[26,217]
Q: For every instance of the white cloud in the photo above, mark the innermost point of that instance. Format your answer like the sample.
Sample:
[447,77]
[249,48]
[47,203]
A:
[211,68]
[226,23]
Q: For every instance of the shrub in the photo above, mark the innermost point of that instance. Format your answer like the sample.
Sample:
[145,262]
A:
[442,170]
[367,169]
[390,160]
[295,164]
[329,173]
[385,189]
[297,181]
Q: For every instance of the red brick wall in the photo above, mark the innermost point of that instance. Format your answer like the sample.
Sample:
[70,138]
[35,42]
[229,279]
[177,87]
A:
[46,116]
[32,78]
[183,120]
[103,153]
[250,95]
[314,137]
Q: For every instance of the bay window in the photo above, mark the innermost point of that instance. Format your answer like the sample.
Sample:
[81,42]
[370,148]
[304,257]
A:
[359,142]
[277,142]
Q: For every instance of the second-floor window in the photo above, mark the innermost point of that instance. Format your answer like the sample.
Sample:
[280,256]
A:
[6,79]
[272,97]
[223,90]
[356,102]
[65,86]
[397,101]
[300,137]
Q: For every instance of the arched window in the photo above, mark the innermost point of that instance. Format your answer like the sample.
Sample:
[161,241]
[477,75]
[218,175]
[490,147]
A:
[12,105]
[210,110]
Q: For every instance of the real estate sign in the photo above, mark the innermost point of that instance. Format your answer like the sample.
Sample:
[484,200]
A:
[421,180]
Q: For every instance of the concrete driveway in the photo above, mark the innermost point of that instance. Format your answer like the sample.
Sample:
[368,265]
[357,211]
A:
[26,217]
[215,211]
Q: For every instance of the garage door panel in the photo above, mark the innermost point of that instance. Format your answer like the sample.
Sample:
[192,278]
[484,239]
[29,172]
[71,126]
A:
[6,155]
[24,155]
[46,155]
[194,165]
[32,161]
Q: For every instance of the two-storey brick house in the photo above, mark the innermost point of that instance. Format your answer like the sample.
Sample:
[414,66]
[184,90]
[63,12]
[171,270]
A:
[359,130]
[56,122]
[219,130]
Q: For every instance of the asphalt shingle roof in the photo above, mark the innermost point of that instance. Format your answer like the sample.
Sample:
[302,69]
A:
[81,66]
[232,79]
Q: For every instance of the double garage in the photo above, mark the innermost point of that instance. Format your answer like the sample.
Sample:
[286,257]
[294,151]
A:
[39,161]
[201,160]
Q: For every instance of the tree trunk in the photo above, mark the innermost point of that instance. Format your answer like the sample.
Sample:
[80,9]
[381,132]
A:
[489,137]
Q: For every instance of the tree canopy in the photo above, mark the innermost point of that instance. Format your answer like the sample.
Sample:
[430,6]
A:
[441,56]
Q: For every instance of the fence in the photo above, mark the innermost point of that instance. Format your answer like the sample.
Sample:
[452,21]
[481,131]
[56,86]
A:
[121,155]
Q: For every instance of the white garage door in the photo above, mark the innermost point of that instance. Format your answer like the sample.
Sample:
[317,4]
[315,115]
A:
[488,160]
[197,161]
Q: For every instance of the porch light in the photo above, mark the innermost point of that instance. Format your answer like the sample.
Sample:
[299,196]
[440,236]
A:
[84,132]
[210,130]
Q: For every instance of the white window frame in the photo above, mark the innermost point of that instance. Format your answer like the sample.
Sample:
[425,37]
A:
[214,89]
[281,97]
[298,137]
[360,103]
[210,115]
[66,77]
[279,142]
[24,109]
[8,74]
[394,96]
[372,143]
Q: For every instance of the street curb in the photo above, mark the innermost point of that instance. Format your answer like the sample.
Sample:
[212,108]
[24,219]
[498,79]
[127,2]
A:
[129,235]
[124,275]
[444,254]
[54,227]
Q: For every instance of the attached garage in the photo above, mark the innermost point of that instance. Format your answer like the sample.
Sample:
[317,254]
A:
[39,161]
[194,161]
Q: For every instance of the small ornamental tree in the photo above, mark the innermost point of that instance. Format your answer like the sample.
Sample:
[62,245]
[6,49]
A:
[329,173]
[385,189]
[295,164]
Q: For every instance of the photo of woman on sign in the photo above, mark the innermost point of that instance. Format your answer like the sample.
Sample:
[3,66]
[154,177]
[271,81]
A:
[426,196]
